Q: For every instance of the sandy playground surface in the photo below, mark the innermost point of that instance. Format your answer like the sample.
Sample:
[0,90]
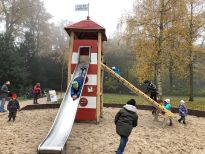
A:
[26,133]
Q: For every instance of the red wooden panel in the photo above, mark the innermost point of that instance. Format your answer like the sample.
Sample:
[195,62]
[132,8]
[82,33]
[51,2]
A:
[93,68]
[85,114]
[92,43]
[87,93]
[73,68]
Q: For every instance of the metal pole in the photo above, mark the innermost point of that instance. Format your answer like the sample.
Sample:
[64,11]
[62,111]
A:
[88,9]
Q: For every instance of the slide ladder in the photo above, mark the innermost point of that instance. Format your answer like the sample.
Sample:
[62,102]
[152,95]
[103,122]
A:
[137,91]
[55,141]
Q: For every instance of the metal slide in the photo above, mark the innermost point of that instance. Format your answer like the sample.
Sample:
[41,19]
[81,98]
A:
[55,141]
[137,91]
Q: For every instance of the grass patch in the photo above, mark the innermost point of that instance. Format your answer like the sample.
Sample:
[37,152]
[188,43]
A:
[197,104]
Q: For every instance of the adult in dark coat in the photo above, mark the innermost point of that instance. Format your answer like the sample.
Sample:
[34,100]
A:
[4,94]
[125,120]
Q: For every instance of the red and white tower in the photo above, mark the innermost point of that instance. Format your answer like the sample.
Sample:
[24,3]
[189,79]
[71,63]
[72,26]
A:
[86,39]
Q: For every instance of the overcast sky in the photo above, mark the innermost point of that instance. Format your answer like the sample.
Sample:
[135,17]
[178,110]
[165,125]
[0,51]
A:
[104,12]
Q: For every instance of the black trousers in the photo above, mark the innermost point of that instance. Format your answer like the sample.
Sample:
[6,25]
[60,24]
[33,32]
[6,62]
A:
[182,119]
[35,97]
[12,114]
[153,95]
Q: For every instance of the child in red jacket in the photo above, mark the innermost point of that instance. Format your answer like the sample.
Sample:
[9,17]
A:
[36,93]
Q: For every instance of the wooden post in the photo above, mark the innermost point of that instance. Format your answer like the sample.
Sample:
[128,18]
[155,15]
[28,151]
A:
[99,75]
[101,92]
[70,53]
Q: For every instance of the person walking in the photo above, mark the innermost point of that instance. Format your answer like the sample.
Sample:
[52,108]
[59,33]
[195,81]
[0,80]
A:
[125,120]
[182,111]
[4,94]
[36,93]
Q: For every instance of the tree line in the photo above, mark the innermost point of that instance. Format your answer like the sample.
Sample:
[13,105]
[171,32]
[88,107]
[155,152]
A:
[32,49]
[167,39]
[162,40]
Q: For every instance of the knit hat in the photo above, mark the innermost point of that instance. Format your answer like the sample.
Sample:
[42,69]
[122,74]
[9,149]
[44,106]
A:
[75,84]
[13,96]
[147,82]
[182,102]
[8,82]
[132,102]
[167,101]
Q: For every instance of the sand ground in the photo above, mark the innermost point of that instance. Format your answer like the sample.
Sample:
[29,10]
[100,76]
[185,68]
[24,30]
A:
[25,134]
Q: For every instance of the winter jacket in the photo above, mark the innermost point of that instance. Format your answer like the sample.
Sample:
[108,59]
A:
[36,89]
[80,84]
[167,106]
[125,120]
[4,91]
[151,88]
[13,106]
[182,110]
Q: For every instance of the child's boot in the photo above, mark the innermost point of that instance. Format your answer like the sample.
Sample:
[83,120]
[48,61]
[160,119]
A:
[170,124]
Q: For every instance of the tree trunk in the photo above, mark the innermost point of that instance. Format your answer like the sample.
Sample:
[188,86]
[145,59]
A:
[191,72]
[159,81]
[159,51]
[155,73]
[191,86]
[170,76]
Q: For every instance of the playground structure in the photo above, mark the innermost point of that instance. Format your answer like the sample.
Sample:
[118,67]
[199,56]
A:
[86,39]
[137,91]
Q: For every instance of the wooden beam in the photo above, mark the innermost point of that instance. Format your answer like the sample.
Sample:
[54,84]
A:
[99,75]
[70,53]
[101,92]
[137,91]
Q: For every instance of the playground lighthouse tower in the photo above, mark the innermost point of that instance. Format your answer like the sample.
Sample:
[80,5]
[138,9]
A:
[86,40]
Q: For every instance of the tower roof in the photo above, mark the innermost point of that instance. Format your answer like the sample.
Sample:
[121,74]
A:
[86,29]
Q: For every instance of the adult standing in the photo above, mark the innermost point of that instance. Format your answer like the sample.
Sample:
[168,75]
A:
[36,92]
[4,95]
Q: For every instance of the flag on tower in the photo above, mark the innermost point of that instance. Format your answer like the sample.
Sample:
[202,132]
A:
[82,7]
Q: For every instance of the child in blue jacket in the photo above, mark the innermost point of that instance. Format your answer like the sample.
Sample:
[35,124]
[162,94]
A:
[77,84]
[182,111]
[76,87]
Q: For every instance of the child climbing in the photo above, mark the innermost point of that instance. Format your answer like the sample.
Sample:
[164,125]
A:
[116,70]
[152,89]
[182,111]
[13,106]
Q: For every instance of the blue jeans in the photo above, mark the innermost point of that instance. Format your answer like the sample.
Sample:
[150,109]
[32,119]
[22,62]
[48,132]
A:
[123,142]
[3,100]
